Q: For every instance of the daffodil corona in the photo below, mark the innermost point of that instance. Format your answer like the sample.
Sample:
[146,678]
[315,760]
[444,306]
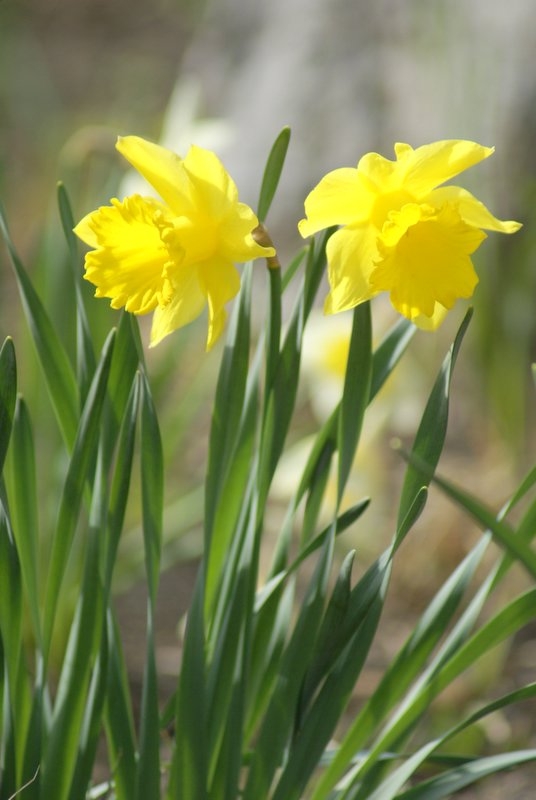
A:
[401,231]
[176,254]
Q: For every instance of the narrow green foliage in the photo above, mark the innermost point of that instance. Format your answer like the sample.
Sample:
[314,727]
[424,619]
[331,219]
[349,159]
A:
[24,506]
[389,353]
[228,403]
[74,687]
[85,361]
[120,484]
[189,766]
[512,543]
[272,173]
[8,395]
[432,430]
[118,717]
[84,451]
[57,371]
[280,716]
[356,392]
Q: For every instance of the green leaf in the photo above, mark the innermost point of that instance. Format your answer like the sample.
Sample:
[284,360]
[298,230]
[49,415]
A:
[57,370]
[512,543]
[74,686]
[506,622]
[118,718]
[24,508]
[148,767]
[125,363]
[91,728]
[228,403]
[84,345]
[432,430]
[280,716]
[272,173]
[190,758]
[356,393]
[448,782]
[121,481]
[11,632]
[84,452]
[389,353]
[404,668]
[228,669]
[343,644]
[397,779]
[8,395]
[152,482]
[152,488]
[273,616]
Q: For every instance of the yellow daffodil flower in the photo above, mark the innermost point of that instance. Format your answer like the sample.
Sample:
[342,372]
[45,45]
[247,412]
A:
[401,233]
[176,254]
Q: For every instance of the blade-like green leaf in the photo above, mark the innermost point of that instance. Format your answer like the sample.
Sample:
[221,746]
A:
[73,693]
[119,718]
[228,403]
[152,482]
[432,430]
[121,482]
[24,507]
[8,395]
[446,784]
[389,353]
[91,728]
[278,723]
[404,668]
[356,393]
[152,488]
[397,779]
[57,370]
[505,623]
[189,764]
[513,544]
[272,173]
[11,638]
[148,766]
[84,451]
[85,353]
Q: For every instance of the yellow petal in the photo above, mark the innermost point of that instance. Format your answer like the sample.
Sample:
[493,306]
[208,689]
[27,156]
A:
[129,262]
[340,198]
[428,263]
[187,303]
[220,282]
[431,323]
[236,241]
[351,253]
[378,173]
[423,169]
[471,210]
[214,188]
[85,232]
[163,169]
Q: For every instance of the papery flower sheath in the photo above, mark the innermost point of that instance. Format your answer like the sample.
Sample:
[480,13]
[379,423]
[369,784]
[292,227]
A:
[402,232]
[176,254]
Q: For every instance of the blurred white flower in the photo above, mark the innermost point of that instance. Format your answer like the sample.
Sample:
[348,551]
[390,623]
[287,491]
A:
[394,411]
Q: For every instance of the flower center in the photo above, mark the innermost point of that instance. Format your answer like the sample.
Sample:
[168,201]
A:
[387,203]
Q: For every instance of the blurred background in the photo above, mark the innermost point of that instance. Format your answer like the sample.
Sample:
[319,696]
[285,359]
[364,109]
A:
[348,76]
